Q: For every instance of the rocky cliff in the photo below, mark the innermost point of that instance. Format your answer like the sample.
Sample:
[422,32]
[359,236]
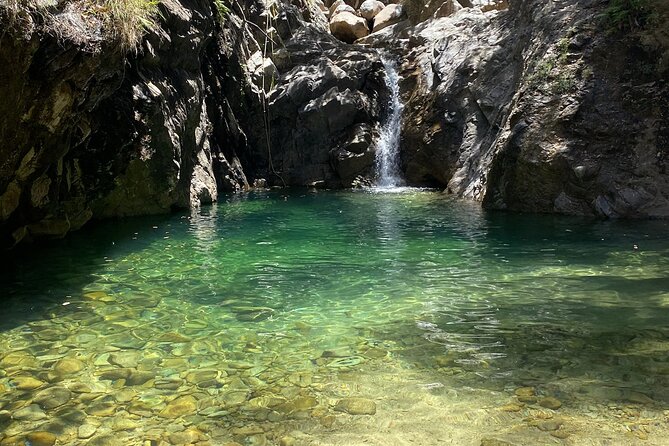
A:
[544,107]
[91,129]
[536,106]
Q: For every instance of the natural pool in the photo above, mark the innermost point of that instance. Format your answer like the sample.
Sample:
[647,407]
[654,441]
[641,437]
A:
[340,318]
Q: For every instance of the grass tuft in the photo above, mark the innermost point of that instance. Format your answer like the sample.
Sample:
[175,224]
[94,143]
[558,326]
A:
[129,20]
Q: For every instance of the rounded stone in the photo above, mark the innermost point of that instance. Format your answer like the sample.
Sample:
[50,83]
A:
[86,431]
[41,438]
[32,412]
[68,366]
[184,405]
[550,403]
[26,383]
[356,406]
[53,397]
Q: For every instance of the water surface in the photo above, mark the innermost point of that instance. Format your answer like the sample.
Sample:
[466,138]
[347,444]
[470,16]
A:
[340,318]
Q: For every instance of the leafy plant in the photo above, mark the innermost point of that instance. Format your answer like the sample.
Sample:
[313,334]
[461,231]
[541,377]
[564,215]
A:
[223,11]
[628,15]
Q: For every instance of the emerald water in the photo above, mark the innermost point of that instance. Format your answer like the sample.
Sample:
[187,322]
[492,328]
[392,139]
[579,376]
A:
[339,318]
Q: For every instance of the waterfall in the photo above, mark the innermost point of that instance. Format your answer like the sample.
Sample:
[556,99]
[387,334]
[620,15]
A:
[388,147]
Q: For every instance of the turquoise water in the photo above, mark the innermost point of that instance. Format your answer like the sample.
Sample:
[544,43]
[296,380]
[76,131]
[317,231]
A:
[339,318]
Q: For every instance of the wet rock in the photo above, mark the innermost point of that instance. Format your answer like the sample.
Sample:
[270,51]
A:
[125,359]
[168,383]
[526,394]
[174,338]
[287,441]
[86,431]
[184,405]
[78,387]
[26,383]
[199,376]
[561,434]
[348,27]
[550,403]
[106,440]
[349,361]
[99,295]
[68,366]
[356,406]
[41,438]
[548,425]
[189,436]
[53,397]
[115,374]
[512,407]
[70,415]
[496,442]
[234,398]
[124,396]
[101,409]
[137,378]
[388,16]
[32,412]
[126,341]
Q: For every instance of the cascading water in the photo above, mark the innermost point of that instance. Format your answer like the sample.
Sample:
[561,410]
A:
[387,150]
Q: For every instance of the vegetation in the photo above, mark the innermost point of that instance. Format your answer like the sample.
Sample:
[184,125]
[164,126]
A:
[222,11]
[130,19]
[629,15]
[125,21]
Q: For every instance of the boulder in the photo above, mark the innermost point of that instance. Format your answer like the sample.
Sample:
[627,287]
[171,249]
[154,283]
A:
[370,8]
[389,15]
[446,9]
[343,8]
[335,5]
[348,27]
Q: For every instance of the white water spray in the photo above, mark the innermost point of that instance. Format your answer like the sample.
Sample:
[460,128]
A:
[387,150]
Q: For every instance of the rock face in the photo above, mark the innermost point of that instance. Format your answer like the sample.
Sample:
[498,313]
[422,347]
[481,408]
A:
[91,132]
[327,102]
[537,109]
[531,107]
[348,27]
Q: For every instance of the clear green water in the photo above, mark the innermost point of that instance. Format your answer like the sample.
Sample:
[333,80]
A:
[255,321]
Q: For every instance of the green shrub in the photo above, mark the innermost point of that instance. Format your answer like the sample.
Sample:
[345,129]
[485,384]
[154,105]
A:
[628,15]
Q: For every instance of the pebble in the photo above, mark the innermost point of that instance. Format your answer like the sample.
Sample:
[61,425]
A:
[174,338]
[189,436]
[102,409]
[550,403]
[26,383]
[356,406]
[183,405]
[86,431]
[125,359]
[68,366]
[526,395]
[511,407]
[549,425]
[53,397]
[137,378]
[287,441]
[41,438]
